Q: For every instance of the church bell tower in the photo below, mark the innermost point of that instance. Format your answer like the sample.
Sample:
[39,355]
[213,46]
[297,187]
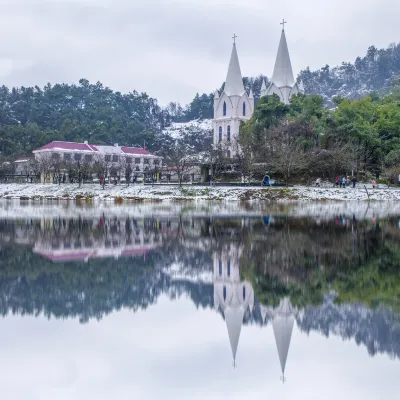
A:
[282,82]
[231,107]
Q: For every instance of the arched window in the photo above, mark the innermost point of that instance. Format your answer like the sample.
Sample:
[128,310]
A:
[229,133]
[220,268]
[224,293]
[224,109]
[244,292]
[220,133]
[244,109]
[229,269]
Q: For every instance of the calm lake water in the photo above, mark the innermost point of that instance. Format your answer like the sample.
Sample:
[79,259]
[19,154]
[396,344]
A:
[199,301]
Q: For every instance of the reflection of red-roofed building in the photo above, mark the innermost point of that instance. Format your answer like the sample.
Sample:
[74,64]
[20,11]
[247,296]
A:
[120,244]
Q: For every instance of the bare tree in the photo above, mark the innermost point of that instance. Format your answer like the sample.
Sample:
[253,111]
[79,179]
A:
[57,167]
[288,154]
[216,159]
[102,166]
[44,163]
[179,157]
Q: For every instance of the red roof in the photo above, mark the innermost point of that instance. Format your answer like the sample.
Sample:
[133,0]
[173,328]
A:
[134,150]
[73,146]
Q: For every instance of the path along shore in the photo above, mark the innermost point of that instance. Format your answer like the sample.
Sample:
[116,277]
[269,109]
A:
[142,192]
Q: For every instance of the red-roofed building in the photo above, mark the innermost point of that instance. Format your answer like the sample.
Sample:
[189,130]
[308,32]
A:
[117,157]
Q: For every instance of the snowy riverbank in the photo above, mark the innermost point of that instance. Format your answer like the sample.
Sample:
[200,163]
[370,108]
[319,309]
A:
[186,193]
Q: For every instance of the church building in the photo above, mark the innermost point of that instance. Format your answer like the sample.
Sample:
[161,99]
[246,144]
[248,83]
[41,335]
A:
[231,295]
[234,105]
[283,83]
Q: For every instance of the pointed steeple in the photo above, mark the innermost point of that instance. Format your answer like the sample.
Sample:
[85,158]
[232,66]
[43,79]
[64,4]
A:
[216,95]
[282,323]
[234,319]
[283,73]
[234,81]
[251,95]
[263,91]
[263,85]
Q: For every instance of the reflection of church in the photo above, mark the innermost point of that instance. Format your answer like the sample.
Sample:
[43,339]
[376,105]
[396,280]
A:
[235,297]
[231,295]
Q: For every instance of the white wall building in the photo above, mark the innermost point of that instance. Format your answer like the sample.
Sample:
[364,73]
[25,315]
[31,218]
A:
[118,157]
[231,107]
[282,83]
[234,105]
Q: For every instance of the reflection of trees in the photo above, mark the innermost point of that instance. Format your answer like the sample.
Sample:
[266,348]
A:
[301,259]
[377,329]
[304,261]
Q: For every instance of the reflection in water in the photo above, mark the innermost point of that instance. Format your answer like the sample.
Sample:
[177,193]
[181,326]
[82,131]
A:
[334,275]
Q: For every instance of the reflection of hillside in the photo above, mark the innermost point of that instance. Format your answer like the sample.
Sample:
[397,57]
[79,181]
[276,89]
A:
[281,259]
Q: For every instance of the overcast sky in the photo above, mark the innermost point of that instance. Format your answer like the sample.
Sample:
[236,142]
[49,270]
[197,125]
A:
[175,351]
[173,49]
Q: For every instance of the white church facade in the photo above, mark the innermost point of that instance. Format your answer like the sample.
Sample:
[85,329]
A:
[234,105]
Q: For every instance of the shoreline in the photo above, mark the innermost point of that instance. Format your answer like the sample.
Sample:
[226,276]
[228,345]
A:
[160,193]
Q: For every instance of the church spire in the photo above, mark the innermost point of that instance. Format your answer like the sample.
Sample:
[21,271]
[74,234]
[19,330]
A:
[234,319]
[283,73]
[282,323]
[234,82]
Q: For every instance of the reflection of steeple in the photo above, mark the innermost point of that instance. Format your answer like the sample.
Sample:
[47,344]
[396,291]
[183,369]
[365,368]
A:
[230,294]
[282,323]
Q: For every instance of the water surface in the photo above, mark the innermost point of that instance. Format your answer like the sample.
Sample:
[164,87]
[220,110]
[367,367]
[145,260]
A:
[199,301]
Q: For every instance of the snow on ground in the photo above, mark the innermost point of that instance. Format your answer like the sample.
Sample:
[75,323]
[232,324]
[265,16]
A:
[188,192]
[41,205]
[176,129]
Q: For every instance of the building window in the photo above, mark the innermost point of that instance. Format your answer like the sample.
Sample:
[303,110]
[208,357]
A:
[229,133]
[244,109]
[224,293]
[220,268]
[67,156]
[115,158]
[107,157]
[55,156]
[220,133]
[229,269]
[224,109]
[156,162]
[77,157]
[88,157]
[244,292]
[129,160]
[137,160]
[146,161]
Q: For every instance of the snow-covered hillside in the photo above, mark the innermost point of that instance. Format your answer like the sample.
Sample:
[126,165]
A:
[178,130]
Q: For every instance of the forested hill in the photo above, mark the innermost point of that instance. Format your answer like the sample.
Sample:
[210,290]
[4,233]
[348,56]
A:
[373,73]
[33,116]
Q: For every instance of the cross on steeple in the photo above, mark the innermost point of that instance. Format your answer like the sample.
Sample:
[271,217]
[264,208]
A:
[283,24]
[234,38]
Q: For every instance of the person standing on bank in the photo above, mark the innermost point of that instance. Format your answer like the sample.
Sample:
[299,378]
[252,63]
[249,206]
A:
[354,180]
